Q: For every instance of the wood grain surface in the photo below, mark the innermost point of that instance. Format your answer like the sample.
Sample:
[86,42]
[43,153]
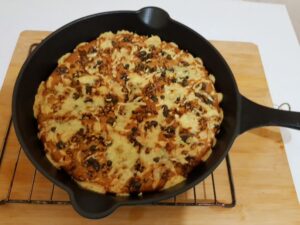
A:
[264,188]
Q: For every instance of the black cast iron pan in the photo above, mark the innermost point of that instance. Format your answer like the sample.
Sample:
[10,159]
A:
[240,114]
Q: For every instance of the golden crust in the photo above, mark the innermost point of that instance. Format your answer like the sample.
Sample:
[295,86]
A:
[128,113]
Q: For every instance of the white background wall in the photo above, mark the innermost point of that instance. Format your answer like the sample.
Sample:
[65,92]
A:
[293,7]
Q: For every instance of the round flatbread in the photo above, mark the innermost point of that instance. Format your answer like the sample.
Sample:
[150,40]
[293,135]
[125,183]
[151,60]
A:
[127,113]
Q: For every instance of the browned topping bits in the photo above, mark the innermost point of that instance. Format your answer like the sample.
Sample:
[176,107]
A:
[88,89]
[60,145]
[134,185]
[76,95]
[184,136]
[165,110]
[62,69]
[169,131]
[127,113]
[93,148]
[109,163]
[150,124]
[156,159]
[93,163]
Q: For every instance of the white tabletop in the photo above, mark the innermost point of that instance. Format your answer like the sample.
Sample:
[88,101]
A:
[266,25]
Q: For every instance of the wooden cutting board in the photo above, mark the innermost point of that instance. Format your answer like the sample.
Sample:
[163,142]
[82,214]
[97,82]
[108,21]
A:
[264,188]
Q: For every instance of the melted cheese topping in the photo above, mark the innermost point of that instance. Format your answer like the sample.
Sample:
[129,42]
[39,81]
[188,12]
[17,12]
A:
[189,121]
[127,113]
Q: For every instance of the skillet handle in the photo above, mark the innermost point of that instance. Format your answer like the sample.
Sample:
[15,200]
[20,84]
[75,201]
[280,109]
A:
[255,115]
[154,17]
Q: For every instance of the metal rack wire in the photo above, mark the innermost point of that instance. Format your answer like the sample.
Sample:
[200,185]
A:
[209,185]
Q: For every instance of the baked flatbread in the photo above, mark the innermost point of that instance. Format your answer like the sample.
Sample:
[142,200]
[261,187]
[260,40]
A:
[127,113]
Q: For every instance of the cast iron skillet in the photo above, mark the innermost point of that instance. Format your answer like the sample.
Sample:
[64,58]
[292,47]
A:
[240,113]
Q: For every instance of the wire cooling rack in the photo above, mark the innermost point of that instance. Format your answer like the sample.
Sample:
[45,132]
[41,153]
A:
[20,182]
